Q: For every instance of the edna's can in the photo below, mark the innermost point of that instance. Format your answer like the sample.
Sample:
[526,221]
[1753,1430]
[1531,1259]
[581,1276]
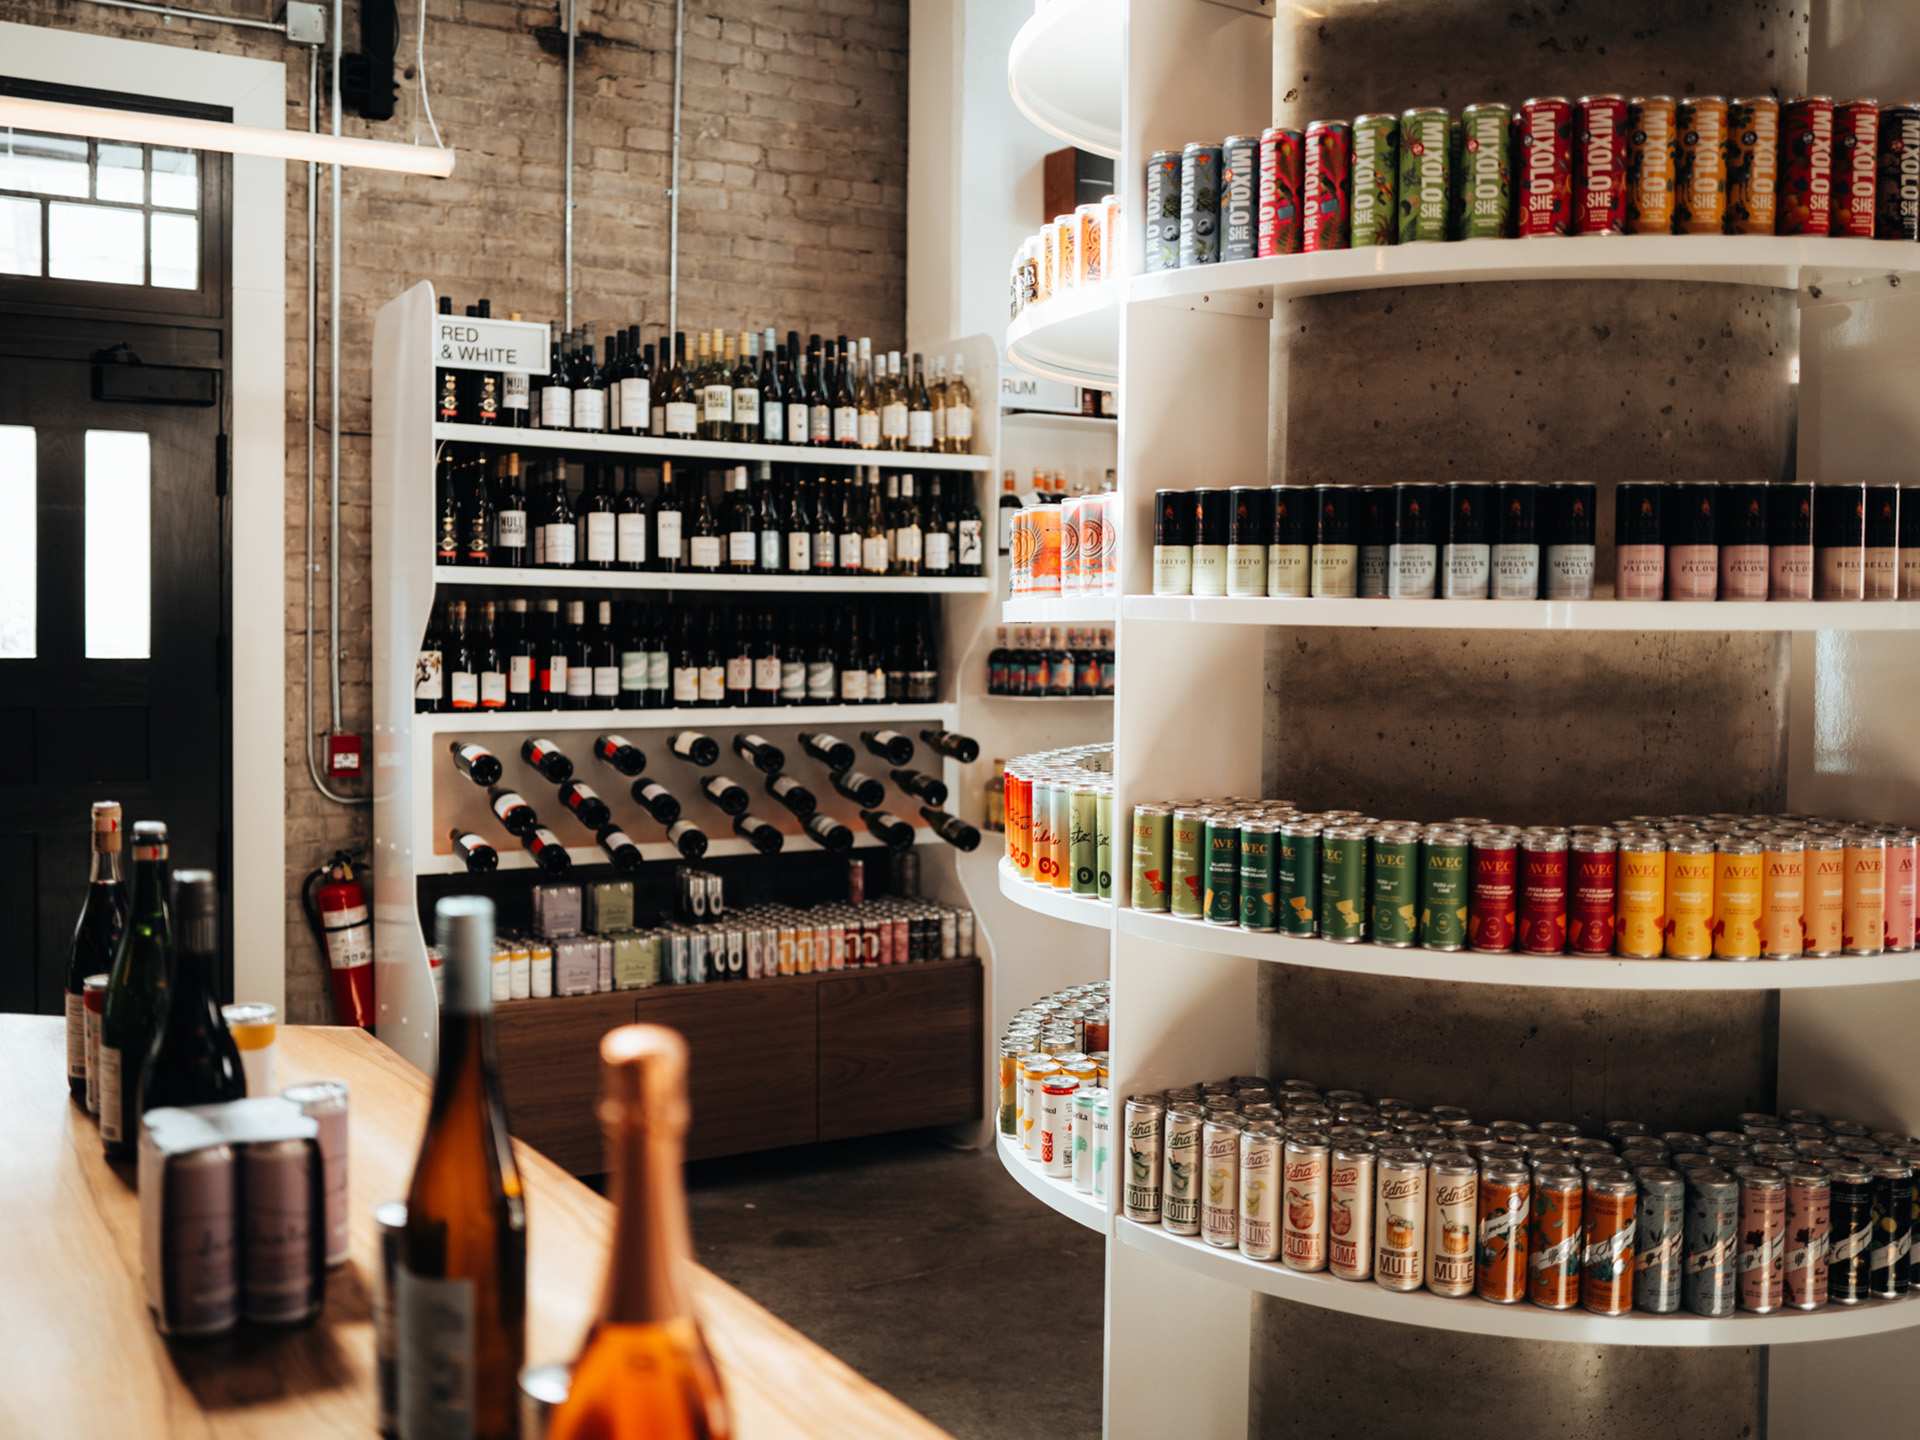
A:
[1553,1244]
[1739,885]
[1897,216]
[1593,869]
[1606,1265]
[1600,166]
[1660,1240]
[1753,164]
[1163,211]
[1180,1169]
[1395,887]
[1220,1180]
[1826,882]
[1303,1215]
[1297,873]
[1856,167]
[1763,1237]
[1350,1198]
[1282,152]
[1103,842]
[1689,898]
[1400,1220]
[1376,171]
[1709,1285]
[1783,896]
[1083,840]
[1259,855]
[1260,1190]
[1701,193]
[1490,897]
[1326,189]
[1485,178]
[1453,1206]
[1544,158]
[1144,1118]
[1809,1223]
[1199,204]
[1426,174]
[1148,877]
[1343,883]
[1888,1258]
[1443,888]
[1863,896]
[1652,167]
[1806,166]
[1500,1259]
[1848,1258]
[1541,924]
[1187,877]
[1222,901]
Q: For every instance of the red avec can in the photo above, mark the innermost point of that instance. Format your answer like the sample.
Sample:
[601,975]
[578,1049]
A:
[1806,166]
[1544,162]
[1490,898]
[1592,886]
[1282,156]
[1600,185]
[1543,892]
[1856,167]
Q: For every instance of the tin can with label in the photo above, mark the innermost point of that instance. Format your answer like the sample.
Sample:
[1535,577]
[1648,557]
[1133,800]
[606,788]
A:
[1544,159]
[1888,1257]
[1103,842]
[1102,1136]
[1220,1180]
[1593,867]
[1083,807]
[1259,876]
[1491,897]
[1149,873]
[1282,156]
[1863,928]
[1180,1172]
[1061,828]
[1444,871]
[1145,1120]
[1199,204]
[1350,1200]
[1222,902]
[1739,887]
[1553,1246]
[1500,1261]
[1897,214]
[1426,174]
[1485,179]
[1689,898]
[1807,170]
[1542,902]
[1163,211]
[1763,1238]
[1600,169]
[1701,193]
[1453,1203]
[1400,1219]
[1902,885]
[1035,1071]
[1375,182]
[1186,880]
[1660,1241]
[1856,168]
[1652,164]
[1326,187]
[1753,165]
[1056,1125]
[1239,182]
[1826,883]
[1395,889]
[1040,830]
[1783,895]
[1849,1255]
[1303,1215]
[1261,1188]
[283,1237]
[1297,874]
[1343,883]
[1809,1233]
[1709,1285]
[1607,1262]
[1011,1050]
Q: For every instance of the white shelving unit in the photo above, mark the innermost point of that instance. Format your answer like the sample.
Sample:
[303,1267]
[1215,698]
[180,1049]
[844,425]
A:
[723,452]
[1075,337]
[1563,615]
[1064,72]
[687,582]
[1053,902]
[1059,609]
[1054,1193]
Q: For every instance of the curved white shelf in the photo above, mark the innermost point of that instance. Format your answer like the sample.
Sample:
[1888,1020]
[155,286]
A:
[1470,1315]
[1823,269]
[516,722]
[1074,337]
[1049,420]
[1565,972]
[1059,609]
[540,577]
[583,441]
[1060,904]
[1048,699]
[1065,74]
[1600,614]
[1054,1194]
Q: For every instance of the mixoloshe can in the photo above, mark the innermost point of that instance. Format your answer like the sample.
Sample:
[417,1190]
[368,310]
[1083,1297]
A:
[1709,1282]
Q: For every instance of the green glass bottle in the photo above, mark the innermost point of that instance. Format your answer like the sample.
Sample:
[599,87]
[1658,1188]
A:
[136,992]
[193,1060]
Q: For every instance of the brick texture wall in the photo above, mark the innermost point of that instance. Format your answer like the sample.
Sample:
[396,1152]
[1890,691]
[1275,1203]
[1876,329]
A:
[793,213]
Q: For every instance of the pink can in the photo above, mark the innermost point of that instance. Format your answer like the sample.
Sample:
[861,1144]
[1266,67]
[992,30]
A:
[902,940]
[1903,889]
[1600,185]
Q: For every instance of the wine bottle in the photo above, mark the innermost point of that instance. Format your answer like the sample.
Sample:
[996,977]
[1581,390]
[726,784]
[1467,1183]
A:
[738,523]
[888,745]
[704,547]
[193,1060]
[103,915]
[657,800]
[476,517]
[859,787]
[584,805]
[769,535]
[480,857]
[645,1368]
[489,660]
[739,659]
[463,680]
[510,513]
[429,670]
[922,787]
[846,406]
[556,399]
[621,753]
[629,522]
[959,411]
[796,524]
[764,651]
[953,745]
[716,395]
[547,758]
[547,851]
[792,794]
[460,1284]
[763,753]
[951,828]
[908,532]
[476,762]
[819,407]
[794,388]
[580,658]
[136,996]
[668,523]
[598,522]
[746,394]
[830,750]
[689,838]
[773,395]
[919,410]
[682,408]
[551,658]
[761,834]
[446,383]
[828,833]
[890,830]
[730,795]
[621,850]
[695,748]
[634,399]
[969,539]
[603,657]
[511,811]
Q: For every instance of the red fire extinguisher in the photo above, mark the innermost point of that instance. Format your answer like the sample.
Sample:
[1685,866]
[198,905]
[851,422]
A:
[336,906]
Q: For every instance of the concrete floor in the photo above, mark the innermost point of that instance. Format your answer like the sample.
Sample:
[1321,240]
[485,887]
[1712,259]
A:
[926,1269]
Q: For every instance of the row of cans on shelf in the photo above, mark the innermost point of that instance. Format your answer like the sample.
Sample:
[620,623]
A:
[1070,252]
[1058,809]
[1686,887]
[1778,1212]
[1072,548]
[1599,165]
[1053,1101]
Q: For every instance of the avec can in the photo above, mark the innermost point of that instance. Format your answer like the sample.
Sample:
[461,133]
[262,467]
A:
[1542,903]
[1395,890]
[1222,901]
[1490,900]
[1297,874]
[1259,875]
[1187,875]
[1343,883]
[1444,855]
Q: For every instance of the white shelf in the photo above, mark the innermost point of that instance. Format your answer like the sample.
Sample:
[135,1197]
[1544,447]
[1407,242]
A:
[1053,1193]
[1046,420]
[1059,609]
[584,441]
[1600,614]
[1473,1316]
[1568,972]
[1826,269]
[1048,699]
[721,842]
[1049,900]
[540,577]
[560,722]
[1065,71]
[1073,337]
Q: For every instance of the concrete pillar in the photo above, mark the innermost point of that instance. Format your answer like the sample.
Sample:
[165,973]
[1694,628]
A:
[1590,381]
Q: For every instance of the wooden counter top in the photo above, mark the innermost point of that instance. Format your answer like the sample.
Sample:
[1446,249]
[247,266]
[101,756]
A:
[79,1356]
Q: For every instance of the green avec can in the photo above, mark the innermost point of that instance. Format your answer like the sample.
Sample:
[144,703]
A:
[1443,887]
[1259,873]
[1223,869]
[1297,873]
[1083,869]
[1425,173]
[1103,841]
[1343,883]
[1396,885]
[1186,878]
[1148,877]
[1485,179]
[1376,172]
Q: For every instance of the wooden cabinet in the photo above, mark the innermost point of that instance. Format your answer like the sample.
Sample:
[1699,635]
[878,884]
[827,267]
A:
[753,1081]
[549,1068]
[899,1048]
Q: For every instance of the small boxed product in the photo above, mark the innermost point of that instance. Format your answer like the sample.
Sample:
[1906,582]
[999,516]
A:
[610,906]
[557,910]
[576,965]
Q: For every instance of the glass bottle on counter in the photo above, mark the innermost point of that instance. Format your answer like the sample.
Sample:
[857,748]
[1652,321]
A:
[103,915]
[193,1060]
[136,991]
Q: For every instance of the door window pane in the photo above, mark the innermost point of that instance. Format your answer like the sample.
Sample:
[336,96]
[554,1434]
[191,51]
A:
[19,236]
[121,174]
[119,546]
[176,251]
[176,179]
[18,556]
[49,164]
[96,242]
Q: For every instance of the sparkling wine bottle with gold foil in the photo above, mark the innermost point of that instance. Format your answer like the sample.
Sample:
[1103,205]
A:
[645,1373]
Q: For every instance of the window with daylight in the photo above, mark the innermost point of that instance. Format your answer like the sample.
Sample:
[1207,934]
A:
[101,211]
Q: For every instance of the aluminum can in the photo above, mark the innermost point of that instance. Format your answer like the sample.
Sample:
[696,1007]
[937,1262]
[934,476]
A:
[1652,164]
[1149,875]
[1553,1246]
[1035,1071]
[1809,1234]
[1542,921]
[1400,1219]
[1350,1201]
[1600,171]
[1297,874]
[1902,889]
[1395,887]
[1102,843]
[1426,174]
[1326,186]
[1083,870]
[1739,888]
[1783,896]
[1163,210]
[1041,844]
[390,1221]
[1011,1049]
[1753,165]
[1144,1118]
[1017,800]
[1863,929]
[1261,1187]
[1689,898]
[1826,882]
[1897,214]
[1343,883]
[1850,1249]
[1259,884]
[283,1237]
[1220,1180]
[1239,188]
[1806,175]
[1061,826]
[1607,1261]
[325,1103]
[1763,1238]
[1375,182]
[1282,157]
[1490,898]
[1485,178]
[1661,1233]
[1500,1261]
[1180,1172]
[1856,167]
[1222,902]
[1199,204]
[1303,1216]
[1186,879]
[195,1246]
[1444,872]
[1700,204]
[1056,1125]
[1453,1207]
[1888,1257]
[1592,892]
[1544,159]
[1102,1136]
[1709,1284]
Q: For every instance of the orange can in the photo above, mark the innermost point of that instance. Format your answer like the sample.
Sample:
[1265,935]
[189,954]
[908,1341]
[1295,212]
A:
[1640,921]
[1651,165]
[1044,568]
[1019,820]
[1826,893]
[1554,1237]
[1783,896]
[1700,202]
[1500,1272]
[1863,927]
[1903,888]
[1689,897]
[1739,883]
[1753,165]
[1606,1269]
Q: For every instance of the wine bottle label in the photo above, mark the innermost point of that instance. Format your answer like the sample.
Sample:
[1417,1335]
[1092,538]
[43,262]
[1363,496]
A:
[766,674]
[846,425]
[590,409]
[580,681]
[920,430]
[111,1129]
[668,534]
[799,552]
[506,802]
[615,840]
[939,552]
[658,668]
[539,544]
[960,423]
[606,681]
[819,424]
[739,673]
[906,544]
[850,551]
[796,423]
[427,676]
[630,539]
[820,680]
[510,531]
[704,552]
[578,795]
[716,403]
[557,675]
[493,690]
[434,1323]
[447,549]
[556,407]
[893,421]
[853,684]
[746,406]
[773,423]
[740,547]
[876,686]
[520,674]
[940,428]
[560,548]
[713,682]
[633,670]
[636,404]
[783,785]
[513,390]
[686,685]
[600,537]
[971,535]
[1007,512]
[793,680]
[76,1038]
[869,429]
[824,549]
[770,551]
[681,418]
[873,554]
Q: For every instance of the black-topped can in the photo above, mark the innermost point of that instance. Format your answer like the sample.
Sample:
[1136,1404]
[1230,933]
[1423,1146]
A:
[1639,540]
[1373,506]
[1567,540]
[1247,530]
[1742,536]
[1888,1261]
[1851,1219]
[1840,542]
[1173,536]
[1516,541]
[1693,541]
[1413,552]
[1213,511]
[1336,547]
[1882,526]
[1910,543]
[1466,556]
[1290,541]
[1790,541]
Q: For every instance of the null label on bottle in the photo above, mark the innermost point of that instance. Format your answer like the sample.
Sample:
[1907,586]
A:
[434,1320]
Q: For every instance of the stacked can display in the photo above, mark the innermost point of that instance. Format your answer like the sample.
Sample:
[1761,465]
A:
[1058,806]
[1597,165]
[1053,1103]
[1796,1211]
[1072,548]
[1682,887]
[1527,540]
[1071,253]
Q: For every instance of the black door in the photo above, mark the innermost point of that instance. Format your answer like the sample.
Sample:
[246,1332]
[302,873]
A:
[112,680]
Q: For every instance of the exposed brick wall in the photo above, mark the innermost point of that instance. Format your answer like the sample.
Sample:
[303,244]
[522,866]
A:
[793,213]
